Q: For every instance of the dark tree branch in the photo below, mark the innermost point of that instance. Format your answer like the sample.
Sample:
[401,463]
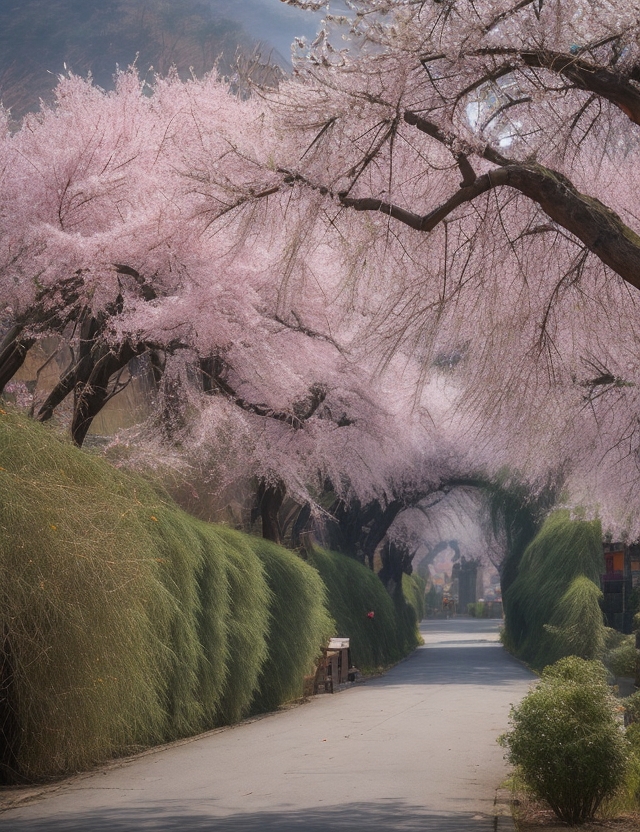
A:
[93,395]
[146,288]
[469,175]
[537,6]
[602,81]
[305,330]
[449,140]
[13,351]
[597,226]
[77,373]
[53,308]
[428,222]
[214,372]
[270,498]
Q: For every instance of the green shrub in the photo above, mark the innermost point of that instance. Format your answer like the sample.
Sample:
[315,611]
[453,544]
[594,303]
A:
[621,660]
[552,605]
[413,589]
[566,740]
[84,611]
[248,626]
[613,638]
[632,707]
[628,798]
[407,634]
[576,627]
[632,781]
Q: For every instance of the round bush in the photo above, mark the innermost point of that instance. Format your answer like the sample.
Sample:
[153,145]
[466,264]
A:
[621,660]
[567,741]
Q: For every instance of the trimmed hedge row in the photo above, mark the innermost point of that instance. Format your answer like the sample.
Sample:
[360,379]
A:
[126,622]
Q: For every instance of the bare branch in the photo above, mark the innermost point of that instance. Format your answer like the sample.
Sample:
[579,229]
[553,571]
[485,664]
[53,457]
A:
[215,370]
[597,226]
[537,4]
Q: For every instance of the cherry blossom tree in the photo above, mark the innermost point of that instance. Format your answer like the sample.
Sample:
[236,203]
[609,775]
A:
[480,157]
[149,222]
[448,206]
[102,241]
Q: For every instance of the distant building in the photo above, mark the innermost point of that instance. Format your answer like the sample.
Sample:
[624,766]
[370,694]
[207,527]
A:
[620,577]
[469,578]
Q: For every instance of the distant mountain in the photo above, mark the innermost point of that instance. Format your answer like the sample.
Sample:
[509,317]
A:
[38,37]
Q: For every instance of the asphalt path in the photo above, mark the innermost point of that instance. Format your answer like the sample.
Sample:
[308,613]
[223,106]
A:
[412,750]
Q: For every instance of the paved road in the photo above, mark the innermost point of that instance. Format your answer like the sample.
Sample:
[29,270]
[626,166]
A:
[413,750]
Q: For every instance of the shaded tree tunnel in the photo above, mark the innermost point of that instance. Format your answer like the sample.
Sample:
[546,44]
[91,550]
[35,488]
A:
[515,514]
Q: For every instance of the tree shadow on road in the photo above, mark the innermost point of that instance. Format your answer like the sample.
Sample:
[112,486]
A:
[390,816]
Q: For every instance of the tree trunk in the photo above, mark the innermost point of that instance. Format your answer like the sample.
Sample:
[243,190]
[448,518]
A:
[77,373]
[95,393]
[270,498]
[396,562]
[379,527]
[13,351]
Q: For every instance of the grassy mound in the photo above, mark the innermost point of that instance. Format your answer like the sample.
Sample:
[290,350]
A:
[126,622]
[553,604]
[353,591]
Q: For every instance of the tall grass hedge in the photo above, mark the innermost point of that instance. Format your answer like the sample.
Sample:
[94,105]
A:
[552,606]
[126,622]
[298,595]
[413,589]
[353,591]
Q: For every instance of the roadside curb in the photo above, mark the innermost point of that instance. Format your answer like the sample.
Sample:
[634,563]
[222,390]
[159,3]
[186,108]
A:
[502,811]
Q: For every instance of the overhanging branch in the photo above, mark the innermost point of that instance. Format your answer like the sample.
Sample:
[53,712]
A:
[597,226]
[604,82]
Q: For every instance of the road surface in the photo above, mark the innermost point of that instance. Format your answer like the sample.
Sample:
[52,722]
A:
[412,750]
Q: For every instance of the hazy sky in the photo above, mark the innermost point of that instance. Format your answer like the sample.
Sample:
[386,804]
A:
[39,37]
[273,21]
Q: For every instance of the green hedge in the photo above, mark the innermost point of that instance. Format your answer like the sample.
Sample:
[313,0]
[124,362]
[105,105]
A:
[553,604]
[127,622]
[298,598]
[353,591]
[413,589]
